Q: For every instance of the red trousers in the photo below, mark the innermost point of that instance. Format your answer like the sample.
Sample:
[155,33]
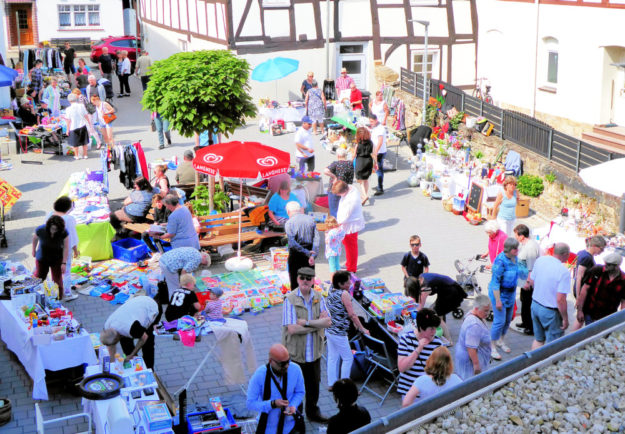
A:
[41,271]
[350,242]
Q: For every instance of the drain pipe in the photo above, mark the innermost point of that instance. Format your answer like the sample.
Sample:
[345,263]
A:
[410,417]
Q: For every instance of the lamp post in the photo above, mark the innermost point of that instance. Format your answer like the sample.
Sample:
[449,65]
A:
[424,70]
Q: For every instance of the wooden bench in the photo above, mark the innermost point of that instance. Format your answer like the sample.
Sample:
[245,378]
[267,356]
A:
[78,44]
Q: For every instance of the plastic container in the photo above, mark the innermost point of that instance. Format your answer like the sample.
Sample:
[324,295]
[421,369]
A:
[129,250]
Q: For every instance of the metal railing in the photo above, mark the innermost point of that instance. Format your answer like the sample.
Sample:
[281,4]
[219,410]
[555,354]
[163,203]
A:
[519,128]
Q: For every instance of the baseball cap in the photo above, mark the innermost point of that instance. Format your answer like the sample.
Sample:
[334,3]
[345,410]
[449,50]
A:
[306,271]
[188,154]
[307,120]
[217,291]
[613,258]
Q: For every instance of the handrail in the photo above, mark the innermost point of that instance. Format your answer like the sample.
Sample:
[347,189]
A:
[428,409]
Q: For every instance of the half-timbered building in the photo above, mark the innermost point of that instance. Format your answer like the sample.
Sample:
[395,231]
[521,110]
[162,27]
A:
[324,35]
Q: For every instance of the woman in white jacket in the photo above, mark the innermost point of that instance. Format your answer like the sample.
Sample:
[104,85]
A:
[349,216]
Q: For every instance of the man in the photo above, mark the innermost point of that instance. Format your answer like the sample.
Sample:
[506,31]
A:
[529,252]
[307,84]
[142,69]
[301,230]
[105,64]
[275,391]
[355,99]
[552,282]
[378,137]
[304,316]
[36,80]
[603,291]
[95,89]
[304,151]
[68,61]
[185,173]
[178,262]
[343,82]
[135,319]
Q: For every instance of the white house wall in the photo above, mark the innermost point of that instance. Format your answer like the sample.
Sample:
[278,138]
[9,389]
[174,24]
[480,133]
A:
[507,55]
[111,20]
[354,18]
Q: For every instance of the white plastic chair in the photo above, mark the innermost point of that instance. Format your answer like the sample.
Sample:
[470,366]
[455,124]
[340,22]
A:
[40,422]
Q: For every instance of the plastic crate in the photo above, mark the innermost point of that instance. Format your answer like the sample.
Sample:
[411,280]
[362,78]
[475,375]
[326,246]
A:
[129,250]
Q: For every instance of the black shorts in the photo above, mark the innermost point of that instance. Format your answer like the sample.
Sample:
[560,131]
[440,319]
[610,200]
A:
[449,299]
[79,137]
[69,69]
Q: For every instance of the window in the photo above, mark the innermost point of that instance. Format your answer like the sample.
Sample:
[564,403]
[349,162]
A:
[22,19]
[431,62]
[79,15]
[552,67]
[125,43]
[548,63]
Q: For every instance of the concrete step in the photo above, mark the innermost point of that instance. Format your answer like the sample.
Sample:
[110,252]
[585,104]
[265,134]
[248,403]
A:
[598,138]
[610,148]
[614,132]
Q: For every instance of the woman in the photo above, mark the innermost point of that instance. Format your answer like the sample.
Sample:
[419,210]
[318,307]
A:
[162,128]
[496,238]
[349,215]
[365,161]
[439,377]
[505,205]
[340,170]
[502,292]
[339,305]
[161,181]
[50,248]
[103,108]
[379,107]
[473,348]
[136,205]
[62,206]
[77,121]
[351,416]
[180,228]
[53,95]
[315,106]
[277,204]
[82,76]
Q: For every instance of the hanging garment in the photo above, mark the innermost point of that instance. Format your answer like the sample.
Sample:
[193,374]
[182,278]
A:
[235,348]
[142,162]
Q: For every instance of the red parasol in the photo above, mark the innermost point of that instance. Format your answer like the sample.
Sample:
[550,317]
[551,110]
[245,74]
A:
[241,160]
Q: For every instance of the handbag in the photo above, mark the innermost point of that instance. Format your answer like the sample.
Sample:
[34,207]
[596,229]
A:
[300,424]
[109,117]
[153,126]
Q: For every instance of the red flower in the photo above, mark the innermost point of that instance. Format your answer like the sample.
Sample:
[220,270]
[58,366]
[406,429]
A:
[441,86]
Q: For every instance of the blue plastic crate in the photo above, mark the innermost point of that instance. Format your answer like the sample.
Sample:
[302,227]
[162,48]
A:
[129,250]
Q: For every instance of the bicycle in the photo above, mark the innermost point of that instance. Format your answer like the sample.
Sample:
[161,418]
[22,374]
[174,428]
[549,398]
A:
[483,95]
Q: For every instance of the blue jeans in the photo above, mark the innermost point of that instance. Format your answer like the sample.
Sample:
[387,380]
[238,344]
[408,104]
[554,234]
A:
[380,171]
[547,322]
[503,317]
[306,162]
[334,264]
[162,126]
[333,203]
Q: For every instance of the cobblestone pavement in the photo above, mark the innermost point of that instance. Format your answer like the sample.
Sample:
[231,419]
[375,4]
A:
[391,219]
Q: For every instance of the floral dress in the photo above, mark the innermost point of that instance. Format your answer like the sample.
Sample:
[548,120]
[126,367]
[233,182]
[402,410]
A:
[316,110]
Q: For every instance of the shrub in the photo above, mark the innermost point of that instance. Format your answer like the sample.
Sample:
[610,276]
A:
[530,185]
[550,178]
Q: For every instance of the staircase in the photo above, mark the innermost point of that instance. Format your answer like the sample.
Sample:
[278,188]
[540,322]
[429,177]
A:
[608,138]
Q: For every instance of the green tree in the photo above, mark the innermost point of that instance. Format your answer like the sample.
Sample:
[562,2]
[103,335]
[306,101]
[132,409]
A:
[201,91]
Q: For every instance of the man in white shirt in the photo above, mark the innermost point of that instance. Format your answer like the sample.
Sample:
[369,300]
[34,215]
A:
[528,253]
[304,151]
[378,137]
[552,282]
[135,319]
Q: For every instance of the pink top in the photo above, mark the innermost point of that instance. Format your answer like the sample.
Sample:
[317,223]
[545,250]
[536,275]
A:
[495,245]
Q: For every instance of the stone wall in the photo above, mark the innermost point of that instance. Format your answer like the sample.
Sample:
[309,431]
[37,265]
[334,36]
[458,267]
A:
[566,191]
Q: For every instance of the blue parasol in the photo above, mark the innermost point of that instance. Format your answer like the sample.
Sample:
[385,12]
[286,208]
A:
[7,76]
[274,69]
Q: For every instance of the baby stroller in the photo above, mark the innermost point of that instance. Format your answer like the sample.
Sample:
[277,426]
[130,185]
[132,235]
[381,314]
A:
[467,280]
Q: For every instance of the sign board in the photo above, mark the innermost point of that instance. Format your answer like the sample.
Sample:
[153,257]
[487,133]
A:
[8,194]
[476,193]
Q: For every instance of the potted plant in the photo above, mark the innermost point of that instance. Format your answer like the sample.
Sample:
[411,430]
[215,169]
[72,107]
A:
[200,200]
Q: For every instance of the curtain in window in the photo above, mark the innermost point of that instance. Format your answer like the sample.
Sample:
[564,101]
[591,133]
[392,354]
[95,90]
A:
[94,18]
[80,19]
[65,19]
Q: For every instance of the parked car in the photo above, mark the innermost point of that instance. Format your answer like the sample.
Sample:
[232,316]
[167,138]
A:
[115,44]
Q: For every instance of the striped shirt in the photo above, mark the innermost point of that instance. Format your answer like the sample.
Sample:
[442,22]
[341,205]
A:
[338,313]
[407,344]
[343,83]
[214,310]
[289,317]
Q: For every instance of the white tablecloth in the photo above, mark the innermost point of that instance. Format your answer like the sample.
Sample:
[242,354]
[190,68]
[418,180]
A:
[287,114]
[37,358]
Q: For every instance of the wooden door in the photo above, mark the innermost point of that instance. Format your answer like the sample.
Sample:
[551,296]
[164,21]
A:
[21,17]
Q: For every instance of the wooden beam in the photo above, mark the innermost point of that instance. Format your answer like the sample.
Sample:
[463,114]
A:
[292,22]
[451,25]
[317,13]
[390,51]
[229,23]
[337,31]
[246,11]
[409,30]
[185,32]
[375,30]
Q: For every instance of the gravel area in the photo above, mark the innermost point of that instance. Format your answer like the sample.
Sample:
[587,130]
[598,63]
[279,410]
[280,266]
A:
[580,393]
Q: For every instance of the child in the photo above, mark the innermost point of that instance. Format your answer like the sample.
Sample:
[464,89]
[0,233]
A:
[43,111]
[213,310]
[334,238]
[415,262]
[184,300]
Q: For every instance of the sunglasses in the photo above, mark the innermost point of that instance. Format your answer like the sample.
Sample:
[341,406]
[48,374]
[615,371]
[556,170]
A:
[282,364]
[415,244]
[305,277]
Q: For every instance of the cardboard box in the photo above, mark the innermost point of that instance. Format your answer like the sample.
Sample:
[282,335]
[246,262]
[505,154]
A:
[522,207]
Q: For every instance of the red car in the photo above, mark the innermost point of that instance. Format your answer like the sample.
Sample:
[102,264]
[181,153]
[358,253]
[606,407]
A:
[115,44]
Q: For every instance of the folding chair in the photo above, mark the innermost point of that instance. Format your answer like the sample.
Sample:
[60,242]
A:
[39,422]
[378,356]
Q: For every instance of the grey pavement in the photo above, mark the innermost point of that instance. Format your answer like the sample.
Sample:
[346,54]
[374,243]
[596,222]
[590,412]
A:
[391,219]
